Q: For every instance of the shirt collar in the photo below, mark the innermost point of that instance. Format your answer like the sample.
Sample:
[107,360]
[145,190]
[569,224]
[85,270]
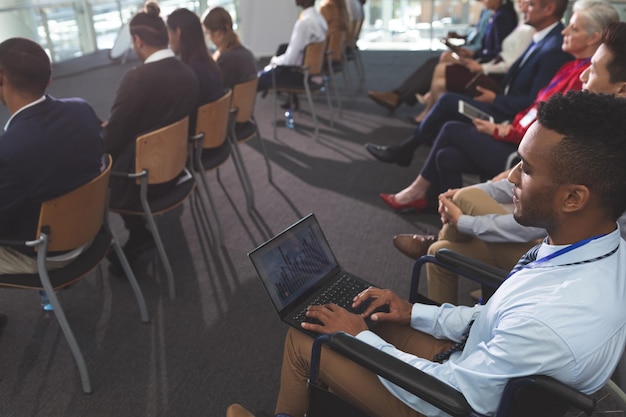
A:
[159,55]
[538,36]
[31,104]
[595,248]
[308,12]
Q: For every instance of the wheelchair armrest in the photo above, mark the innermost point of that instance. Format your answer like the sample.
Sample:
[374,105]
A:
[549,388]
[418,383]
[491,275]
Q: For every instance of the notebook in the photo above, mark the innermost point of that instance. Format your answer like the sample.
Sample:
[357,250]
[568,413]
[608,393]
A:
[298,268]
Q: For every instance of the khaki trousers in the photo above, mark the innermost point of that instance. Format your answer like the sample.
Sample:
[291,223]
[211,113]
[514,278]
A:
[14,262]
[443,284]
[346,379]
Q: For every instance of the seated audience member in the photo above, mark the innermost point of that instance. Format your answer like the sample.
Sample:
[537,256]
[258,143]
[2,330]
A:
[418,83]
[483,148]
[187,40]
[49,147]
[236,62]
[337,16]
[161,91]
[526,327]
[474,221]
[309,28]
[456,76]
[526,77]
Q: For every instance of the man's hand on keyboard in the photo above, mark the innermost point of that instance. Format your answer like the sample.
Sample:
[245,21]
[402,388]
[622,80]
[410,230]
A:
[397,310]
[334,319]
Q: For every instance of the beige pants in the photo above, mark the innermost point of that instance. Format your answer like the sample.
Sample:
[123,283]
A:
[443,284]
[14,262]
[346,379]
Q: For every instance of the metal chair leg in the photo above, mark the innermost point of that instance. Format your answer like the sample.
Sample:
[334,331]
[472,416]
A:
[62,320]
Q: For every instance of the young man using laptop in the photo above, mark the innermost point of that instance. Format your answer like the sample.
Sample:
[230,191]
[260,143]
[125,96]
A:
[543,320]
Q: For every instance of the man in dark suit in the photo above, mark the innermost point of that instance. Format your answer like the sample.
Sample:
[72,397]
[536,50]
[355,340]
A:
[49,148]
[526,77]
[161,91]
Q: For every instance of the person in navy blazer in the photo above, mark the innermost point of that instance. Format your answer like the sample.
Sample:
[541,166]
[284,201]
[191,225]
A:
[529,74]
[50,147]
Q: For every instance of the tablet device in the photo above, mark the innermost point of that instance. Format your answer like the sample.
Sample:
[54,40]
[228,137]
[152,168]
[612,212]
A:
[472,112]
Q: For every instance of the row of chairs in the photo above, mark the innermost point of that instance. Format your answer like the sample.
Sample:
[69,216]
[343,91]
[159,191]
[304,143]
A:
[322,61]
[80,217]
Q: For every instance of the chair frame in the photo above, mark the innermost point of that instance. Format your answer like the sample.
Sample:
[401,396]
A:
[242,111]
[159,159]
[65,223]
[311,67]
[336,59]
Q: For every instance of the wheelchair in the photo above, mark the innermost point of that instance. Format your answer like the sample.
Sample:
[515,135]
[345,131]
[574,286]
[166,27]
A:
[530,396]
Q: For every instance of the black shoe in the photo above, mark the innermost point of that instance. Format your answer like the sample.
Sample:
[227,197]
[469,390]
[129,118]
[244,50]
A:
[391,154]
[292,103]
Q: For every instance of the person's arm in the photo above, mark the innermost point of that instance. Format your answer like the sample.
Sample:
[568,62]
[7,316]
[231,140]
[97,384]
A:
[512,48]
[498,228]
[118,129]
[518,345]
[547,64]
[11,196]
[297,43]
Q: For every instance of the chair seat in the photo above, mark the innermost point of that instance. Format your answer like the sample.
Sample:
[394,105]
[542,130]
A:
[313,86]
[245,130]
[66,276]
[213,157]
[160,203]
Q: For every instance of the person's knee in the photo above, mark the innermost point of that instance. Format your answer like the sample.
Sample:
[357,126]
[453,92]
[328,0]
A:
[468,197]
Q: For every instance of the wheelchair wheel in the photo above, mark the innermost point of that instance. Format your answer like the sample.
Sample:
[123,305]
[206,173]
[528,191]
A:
[611,402]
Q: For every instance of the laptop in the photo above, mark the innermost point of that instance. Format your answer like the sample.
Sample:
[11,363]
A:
[298,269]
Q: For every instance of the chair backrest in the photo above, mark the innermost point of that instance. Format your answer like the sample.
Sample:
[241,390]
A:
[314,57]
[244,96]
[355,32]
[74,218]
[213,120]
[336,43]
[163,152]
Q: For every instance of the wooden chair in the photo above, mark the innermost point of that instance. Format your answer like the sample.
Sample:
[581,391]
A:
[312,67]
[211,148]
[353,53]
[336,63]
[245,128]
[160,156]
[68,222]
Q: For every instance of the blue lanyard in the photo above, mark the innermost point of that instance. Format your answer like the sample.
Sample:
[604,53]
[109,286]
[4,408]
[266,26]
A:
[562,251]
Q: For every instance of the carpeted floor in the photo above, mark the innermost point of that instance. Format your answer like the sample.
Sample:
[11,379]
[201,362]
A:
[219,341]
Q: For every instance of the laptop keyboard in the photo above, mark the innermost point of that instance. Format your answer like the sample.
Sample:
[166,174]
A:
[340,292]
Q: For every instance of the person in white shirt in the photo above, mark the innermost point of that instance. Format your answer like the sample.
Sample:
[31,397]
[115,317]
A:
[310,28]
[560,314]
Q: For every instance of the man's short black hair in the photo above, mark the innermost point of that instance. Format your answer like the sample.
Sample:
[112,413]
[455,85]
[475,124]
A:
[593,150]
[614,39]
[26,65]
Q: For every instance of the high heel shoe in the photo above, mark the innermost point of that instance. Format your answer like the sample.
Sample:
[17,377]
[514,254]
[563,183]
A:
[417,205]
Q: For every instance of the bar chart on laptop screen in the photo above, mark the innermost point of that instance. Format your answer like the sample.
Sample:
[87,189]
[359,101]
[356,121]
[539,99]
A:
[303,261]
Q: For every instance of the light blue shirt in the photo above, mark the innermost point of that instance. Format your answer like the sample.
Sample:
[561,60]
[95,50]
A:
[561,320]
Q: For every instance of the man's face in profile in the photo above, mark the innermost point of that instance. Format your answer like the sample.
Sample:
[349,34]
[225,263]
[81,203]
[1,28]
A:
[596,77]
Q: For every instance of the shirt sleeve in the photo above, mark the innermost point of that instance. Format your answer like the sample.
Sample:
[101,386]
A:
[498,227]
[297,43]
[511,350]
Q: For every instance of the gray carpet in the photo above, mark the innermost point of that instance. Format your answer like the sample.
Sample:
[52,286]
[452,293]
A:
[219,342]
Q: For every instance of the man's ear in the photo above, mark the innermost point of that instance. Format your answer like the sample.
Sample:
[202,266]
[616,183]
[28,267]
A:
[576,198]
[622,90]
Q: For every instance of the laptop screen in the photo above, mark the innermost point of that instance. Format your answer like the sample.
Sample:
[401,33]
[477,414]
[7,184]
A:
[294,261]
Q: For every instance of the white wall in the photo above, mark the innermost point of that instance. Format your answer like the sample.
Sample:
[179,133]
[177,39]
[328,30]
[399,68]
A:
[265,24]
